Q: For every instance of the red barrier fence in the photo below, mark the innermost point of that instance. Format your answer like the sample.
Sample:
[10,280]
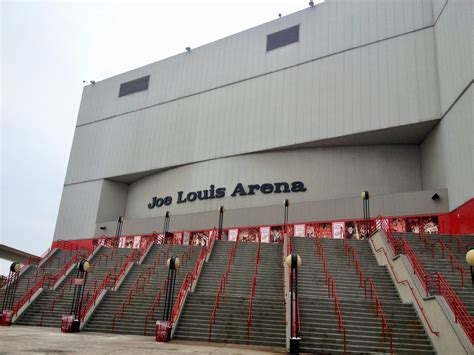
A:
[406,283]
[460,311]
[337,309]
[252,292]
[221,288]
[430,245]
[379,311]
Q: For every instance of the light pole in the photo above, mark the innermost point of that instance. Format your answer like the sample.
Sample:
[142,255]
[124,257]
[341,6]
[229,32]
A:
[470,261]
[221,220]
[366,207]
[118,232]
[294,262]
[72,322]
[285,215]
[163,327]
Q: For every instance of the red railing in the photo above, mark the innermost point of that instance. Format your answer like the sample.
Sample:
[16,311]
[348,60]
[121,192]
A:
[92,300]
[379,311]
[252,292]
[337,309]
[179,303]
[41,283]
[461,313]
[418,268]
[430,245]
[154,305]
[221,288]
[406,283]
[331,290]
[283,284]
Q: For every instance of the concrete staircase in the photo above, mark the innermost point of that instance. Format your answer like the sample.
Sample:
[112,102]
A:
[51,317]
[443,266]
[34,273]
[135,313]
[232,315]
[319,324]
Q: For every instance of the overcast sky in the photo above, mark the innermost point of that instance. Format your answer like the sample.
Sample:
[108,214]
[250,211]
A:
[48,49]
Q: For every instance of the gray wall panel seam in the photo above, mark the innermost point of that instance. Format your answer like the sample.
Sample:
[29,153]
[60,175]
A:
[258,76]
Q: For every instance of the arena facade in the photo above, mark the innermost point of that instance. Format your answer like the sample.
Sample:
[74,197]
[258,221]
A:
[313,107]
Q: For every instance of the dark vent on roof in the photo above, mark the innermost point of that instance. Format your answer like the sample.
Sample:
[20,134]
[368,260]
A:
[283,37]
[133,86]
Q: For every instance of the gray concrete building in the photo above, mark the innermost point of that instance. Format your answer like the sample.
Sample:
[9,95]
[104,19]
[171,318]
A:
[314,107]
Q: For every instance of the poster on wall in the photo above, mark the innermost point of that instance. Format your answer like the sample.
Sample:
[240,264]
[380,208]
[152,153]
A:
[430,225]
[324,230]
[265,234]
[186,238]
[276,234]
[248,235]
[338,230]
[122,242]
[310,231]
[233,233]
[351,231]
[199,238]
[299,230]
[398,225]
[178,238]
[136,241]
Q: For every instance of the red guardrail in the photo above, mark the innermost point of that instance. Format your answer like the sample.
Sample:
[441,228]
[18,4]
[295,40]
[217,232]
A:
[331,290]
[418,268]
[460,311]
[151,311]
[179,303]
[379,310]
[406,283]
[221,288]
[41,282]
[430,245]
[337,309]
[252,292]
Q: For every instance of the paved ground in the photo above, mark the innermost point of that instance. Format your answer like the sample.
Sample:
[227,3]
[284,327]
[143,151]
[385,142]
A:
[42,340]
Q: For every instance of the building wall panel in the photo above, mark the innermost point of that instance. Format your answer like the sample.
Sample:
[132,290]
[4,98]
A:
[78,211]
[454,50]
[447,154]
[398,89]
[328,173]
[327,28]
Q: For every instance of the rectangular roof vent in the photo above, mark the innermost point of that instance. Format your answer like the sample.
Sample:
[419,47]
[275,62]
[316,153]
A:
[283,37]
[131,87]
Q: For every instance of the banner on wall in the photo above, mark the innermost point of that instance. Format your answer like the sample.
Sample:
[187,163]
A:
[136,241]
[338,230]
[299,230]
[248,235]
[178,238]
[265,234]
[186,238]
[122,242]
[233,233]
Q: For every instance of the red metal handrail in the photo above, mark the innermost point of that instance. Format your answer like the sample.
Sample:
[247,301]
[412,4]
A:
[221,288]
[332,293]
[252,292]
[92,300]
[151,311]
[406,283]
[418,269]
[461,313]
[444,248]
[41,282]
[379,310]
[179,303]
